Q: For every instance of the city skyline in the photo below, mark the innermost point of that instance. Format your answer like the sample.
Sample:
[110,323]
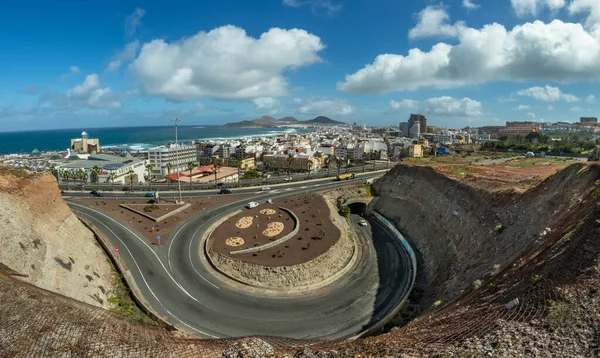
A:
[459,63]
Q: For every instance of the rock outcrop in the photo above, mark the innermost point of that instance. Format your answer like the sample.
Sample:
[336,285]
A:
[42,240]
[462,234]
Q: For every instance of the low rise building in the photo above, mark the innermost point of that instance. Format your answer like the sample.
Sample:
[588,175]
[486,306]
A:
[104,168]
[85,144]
[178,156]
[415,151]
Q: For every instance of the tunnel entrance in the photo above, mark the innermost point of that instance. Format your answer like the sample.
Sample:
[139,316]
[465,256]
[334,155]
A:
[357,208]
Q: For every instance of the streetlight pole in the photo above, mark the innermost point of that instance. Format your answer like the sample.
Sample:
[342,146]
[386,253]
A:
[175,120]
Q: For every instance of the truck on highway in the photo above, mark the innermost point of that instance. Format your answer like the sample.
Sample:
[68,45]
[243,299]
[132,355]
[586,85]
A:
[346,176]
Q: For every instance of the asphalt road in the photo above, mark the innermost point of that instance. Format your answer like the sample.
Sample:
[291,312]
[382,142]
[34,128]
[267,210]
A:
[274,179]
[176,284]
[203,193]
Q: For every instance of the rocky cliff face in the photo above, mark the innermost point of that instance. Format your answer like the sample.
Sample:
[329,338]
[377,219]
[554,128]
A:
[43,240]
[463,234]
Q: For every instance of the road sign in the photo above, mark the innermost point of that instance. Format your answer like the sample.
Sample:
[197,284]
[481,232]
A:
[117,249]
[157,237]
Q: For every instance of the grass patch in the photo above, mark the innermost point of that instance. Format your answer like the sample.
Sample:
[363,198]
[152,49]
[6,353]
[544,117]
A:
[121,303]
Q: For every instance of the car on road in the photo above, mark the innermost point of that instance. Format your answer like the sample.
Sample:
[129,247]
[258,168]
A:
[265,188]
[288,179]
[224,191]
[363,222]
[530,154]
[95,193]
[149,195]
[252,204]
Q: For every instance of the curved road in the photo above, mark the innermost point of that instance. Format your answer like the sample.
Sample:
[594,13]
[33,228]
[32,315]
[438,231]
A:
[174,281]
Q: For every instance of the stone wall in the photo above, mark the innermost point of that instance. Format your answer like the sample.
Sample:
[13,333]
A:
[319,271]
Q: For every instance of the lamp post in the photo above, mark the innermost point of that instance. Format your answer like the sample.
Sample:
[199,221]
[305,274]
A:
[175,120]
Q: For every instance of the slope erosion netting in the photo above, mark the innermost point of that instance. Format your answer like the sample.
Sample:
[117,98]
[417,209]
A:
[555,278]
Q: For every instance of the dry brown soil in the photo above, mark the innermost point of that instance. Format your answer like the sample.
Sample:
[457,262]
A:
[148,228]
[158,210]
[490,172]
[310,209]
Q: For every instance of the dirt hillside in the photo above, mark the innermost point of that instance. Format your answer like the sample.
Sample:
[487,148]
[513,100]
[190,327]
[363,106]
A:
[44,241]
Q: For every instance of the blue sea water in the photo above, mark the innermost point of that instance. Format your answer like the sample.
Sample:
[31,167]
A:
[130,139]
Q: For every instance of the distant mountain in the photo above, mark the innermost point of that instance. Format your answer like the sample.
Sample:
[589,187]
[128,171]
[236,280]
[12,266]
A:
[323,120]
[263,122]
[288,119]
[271,122]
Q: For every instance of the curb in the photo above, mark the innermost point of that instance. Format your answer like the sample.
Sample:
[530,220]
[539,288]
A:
[128,279]
[274,290]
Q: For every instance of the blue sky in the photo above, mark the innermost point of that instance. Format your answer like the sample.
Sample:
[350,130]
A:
[460,62]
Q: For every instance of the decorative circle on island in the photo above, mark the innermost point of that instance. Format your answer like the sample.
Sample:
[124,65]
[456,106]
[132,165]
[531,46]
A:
[274,228]
[244,222]
[234,241]
[268,211]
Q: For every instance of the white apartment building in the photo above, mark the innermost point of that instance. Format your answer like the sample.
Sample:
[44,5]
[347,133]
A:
[341,152]
[178,155]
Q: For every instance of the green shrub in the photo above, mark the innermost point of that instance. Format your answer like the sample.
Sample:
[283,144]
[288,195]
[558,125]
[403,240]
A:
[150,208]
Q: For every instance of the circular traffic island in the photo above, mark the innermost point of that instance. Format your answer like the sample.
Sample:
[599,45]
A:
[292,242]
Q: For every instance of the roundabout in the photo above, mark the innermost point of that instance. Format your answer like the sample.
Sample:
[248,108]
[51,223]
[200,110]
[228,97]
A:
[176,282]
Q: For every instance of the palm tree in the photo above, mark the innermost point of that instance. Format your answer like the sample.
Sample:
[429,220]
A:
[374,159]
[215,164]
[149,170]
[65,176]
[169,166]
[365,157]
[96,170]
[290,160]
[328,162]
[111,177]
[131,175]
[338,163]
[309,165]
[191,166]
[238,163]
[267,164]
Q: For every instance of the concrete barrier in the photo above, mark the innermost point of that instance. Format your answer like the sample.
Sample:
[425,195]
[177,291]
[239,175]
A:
[413,261]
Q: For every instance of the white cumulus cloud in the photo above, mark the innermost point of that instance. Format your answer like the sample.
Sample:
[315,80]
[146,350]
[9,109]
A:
[523,107]
[550,108]
[90,94]
[441,106]
[547,94]
[224,63]
[470,5]
[404,104]
[555,51]
[590,99]
[433,21]
[531,115]
[323,106]
[127,54]
[533,7]
[265,102]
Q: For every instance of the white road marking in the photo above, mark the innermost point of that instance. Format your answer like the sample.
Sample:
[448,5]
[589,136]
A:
[143,242]
[144,278]
[288,189]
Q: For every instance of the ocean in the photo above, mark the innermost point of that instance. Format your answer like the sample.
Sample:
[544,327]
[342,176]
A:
[130,139]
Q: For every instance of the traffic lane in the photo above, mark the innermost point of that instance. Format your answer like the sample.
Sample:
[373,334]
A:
[155,284]
[338,310]
[255,311]
[394,268]
[211,192]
